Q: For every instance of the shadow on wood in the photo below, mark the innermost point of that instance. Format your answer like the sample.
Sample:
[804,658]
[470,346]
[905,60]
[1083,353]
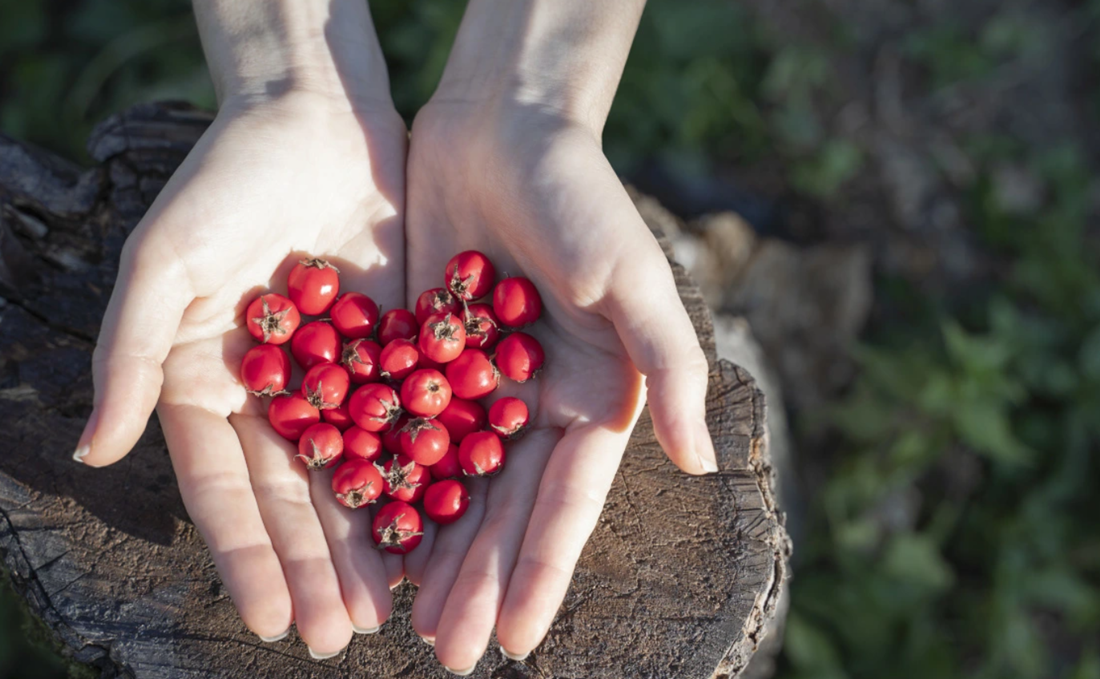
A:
[680,578]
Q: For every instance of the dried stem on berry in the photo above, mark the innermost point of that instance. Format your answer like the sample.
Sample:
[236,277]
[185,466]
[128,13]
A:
[317,263]
[271,322]
[397,478]
[393,536]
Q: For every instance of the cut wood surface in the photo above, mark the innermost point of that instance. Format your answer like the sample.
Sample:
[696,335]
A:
[680,579]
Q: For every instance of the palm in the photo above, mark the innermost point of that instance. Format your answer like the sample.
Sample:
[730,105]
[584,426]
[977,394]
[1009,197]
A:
[529,210]
[261,189]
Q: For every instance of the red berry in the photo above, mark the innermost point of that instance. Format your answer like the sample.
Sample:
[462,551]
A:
[325,386]
[360,444]
[481,454]
[354,315]
[272,318]
[446,501]
[265,370]
[472,375]
[399,359]
[397,528]
[405,479]
[391,438]
[397,324]
[362,359]
[508,417]
[462,418]
[339,417]
[320,447]
[314,343]
[442,337]
[425,393]
[470,275]
[374,406]
[482,327]
[519,356]
[447,467]
[357,483]
[291,414]
[313,285]
[435,301]
[516,302]
[424,441]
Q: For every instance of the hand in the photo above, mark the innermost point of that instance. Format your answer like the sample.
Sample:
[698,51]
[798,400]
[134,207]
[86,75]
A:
[531,188]
[272,180]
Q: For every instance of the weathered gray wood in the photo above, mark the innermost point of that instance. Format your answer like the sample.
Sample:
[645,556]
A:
[680,579]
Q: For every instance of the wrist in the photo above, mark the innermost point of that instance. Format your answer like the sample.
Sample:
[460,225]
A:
[265,50]
[557,57]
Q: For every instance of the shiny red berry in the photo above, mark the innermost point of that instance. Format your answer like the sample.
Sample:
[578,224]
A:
[397,528]
[339,417]
[399,359]
[354,315]
[357,483]
[446,501]
[325,386]
[482,327]
[313,285]
[320,447]
[291,414]
[472,375]
[360,444]
[462,418]
[374,406]
[436,301]
[424,441]
[265,370]
[519,356]
[391,438]
[362,358]
[516,302]
[447,467]
[272,318]
[315,343]
[397,324]
[481,454]
[405,479]
[470,275]
[508,417]
[425,393]
[442,337]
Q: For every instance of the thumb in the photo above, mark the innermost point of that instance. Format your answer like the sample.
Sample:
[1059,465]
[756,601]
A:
[658,335]
[138,329]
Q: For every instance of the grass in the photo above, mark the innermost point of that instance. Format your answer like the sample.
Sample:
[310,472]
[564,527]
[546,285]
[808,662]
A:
[950,526]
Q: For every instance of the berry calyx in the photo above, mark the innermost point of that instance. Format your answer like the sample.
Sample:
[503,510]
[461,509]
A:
[404,479]
[321,446]
[481,454]
[357,483]
[313,285]
[442,337]
[362,360]
[424,441]
[325,386]
[508,417]
[397,528]
[470,275]
[435,301]
[272,318]
[374,406]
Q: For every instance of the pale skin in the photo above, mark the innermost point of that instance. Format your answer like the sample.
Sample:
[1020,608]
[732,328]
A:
[308,156]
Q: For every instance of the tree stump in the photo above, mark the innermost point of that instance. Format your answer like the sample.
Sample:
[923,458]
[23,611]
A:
[111,563]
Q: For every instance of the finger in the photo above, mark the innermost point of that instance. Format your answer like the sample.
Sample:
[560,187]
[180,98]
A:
[416,561]
[138,328]
[470,613]
[214,484]
[359,567]
[659,337]
[569,502]
[437,570]
[282,492]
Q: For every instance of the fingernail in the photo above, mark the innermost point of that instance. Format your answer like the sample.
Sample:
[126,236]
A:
[513,656]
[426,640]
[277,637]
[365,630]
[81,452]
[326,656]
[84,444]
[704,448]
[461,673]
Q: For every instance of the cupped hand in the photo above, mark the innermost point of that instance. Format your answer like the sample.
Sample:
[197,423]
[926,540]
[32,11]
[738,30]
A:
[271,181]
[534,191]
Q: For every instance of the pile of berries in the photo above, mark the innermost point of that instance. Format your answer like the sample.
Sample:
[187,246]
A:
[392,401]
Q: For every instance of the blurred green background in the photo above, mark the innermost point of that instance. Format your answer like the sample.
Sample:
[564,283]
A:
[950,489]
